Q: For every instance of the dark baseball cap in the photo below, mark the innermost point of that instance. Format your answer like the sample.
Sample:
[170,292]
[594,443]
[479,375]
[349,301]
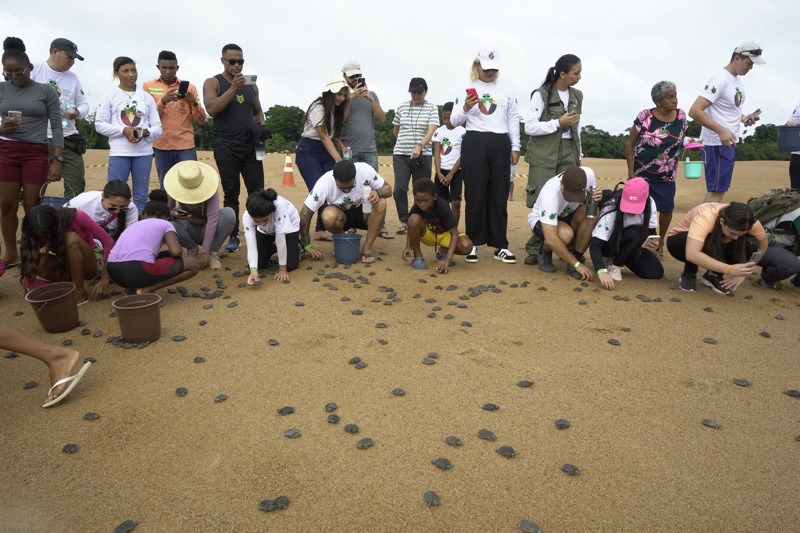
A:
[66,45]
[417,85]
[573,184]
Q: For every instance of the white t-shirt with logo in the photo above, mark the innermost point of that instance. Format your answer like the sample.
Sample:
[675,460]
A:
[284,220]
[91,203]
[69,90]
[326,190]
[496,112]
[726,94]
[451,145]
[607,220]
[551,204]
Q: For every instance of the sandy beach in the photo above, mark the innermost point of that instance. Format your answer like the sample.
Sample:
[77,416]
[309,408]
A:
[646,461]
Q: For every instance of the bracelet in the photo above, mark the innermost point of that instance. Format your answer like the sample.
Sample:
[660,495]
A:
[306,247]
[730,267]
[420,145]
[603,271]
[253,269]
[577,264]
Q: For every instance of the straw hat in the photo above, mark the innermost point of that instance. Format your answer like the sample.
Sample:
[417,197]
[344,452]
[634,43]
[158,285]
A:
[191,182]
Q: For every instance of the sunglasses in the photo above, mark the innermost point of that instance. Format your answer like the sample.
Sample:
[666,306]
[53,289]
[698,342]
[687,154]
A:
[235,61]
[15,73]
[346,189]
[751,53]
[490,70]
[119,208]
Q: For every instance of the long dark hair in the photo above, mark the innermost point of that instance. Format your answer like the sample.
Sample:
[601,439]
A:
[261,203]
[328,101]
[564,64]
[44,225]
[120,189]
[615,239]
[738,216]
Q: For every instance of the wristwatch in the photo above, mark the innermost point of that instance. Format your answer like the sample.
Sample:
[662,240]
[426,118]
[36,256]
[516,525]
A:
[59,158]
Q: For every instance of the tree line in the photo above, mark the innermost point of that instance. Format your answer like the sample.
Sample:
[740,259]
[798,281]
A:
[286,125]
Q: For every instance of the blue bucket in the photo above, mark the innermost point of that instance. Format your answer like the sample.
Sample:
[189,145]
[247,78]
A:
[52,201]
[346,247]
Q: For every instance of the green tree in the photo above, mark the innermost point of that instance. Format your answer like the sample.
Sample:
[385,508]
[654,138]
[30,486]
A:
[286,121]
[384,134]
[204,134]
[85,127]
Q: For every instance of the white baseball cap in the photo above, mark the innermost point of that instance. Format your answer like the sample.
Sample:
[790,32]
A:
[488,58]
[752,50]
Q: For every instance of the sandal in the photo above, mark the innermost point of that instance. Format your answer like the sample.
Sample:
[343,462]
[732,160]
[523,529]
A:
[385,235]
[419,263]
[367,258]
[402,229]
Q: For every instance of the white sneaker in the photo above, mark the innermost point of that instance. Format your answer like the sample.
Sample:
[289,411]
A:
[472,257]
[504,255]
[615,272]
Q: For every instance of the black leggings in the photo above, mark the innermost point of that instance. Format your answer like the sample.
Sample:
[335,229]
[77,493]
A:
[267,248]
[794,171]
[676,244]
[641,262]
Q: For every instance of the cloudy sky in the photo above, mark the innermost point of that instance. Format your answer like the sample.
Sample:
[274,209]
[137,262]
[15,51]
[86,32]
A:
[293,47]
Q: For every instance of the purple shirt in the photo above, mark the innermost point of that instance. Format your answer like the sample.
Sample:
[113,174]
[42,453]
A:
[141,241]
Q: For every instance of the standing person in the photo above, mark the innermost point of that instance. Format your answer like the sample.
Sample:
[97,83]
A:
[56,72]
[447,161]
[196,214]
[271,226]
[129,118]
[490,147]
[358,130]
[111,208]
[654,150]
[553,123]
[794,164]
[414,124]
[317,150]
[26,108]
[719,110]
[176,111]
[236,108]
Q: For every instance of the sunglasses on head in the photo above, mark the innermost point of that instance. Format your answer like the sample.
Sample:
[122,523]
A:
[235,61]
[751,53]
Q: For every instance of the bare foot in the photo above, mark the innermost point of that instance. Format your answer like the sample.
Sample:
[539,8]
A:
[60,368]
[10,260]
[322,236]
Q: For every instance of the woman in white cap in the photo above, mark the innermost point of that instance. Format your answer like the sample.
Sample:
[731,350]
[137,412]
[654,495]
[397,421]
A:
[194,204]
[322,127]
[625,235]
[489,148]
[271,226]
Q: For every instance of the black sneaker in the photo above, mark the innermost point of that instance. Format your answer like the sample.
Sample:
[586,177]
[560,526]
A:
[715,282]
[572,272]
[688,282]
[796,280]
[504,255]
[233,244]
[472,257]
[546,261]
[769,284]
[531,259]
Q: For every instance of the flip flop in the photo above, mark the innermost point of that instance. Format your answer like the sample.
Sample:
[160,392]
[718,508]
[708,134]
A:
[367,258]
[401,230]
[72,380]
[385,235]
[85,300]
[419,263]
[12,265]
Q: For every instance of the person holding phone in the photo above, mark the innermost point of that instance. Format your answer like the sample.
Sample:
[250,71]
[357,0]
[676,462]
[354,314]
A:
[719,110]
[625,235]
[26,107]
[489,147]
[177,103]
[129,118]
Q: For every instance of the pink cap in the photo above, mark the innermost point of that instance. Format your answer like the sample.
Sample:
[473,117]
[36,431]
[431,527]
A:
[634,196]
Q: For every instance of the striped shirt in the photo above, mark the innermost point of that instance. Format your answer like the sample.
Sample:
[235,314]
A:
[414,121]
[316,116]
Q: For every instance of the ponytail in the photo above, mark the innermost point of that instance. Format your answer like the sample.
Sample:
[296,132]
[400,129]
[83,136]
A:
[261,203]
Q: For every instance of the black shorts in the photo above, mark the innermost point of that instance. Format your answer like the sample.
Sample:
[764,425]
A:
[452,192]
[354,217]
[537,228]
[138,274]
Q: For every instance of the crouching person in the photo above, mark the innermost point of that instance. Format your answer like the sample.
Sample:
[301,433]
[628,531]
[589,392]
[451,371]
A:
[271,226]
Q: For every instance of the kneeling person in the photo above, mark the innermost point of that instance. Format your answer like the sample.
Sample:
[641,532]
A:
[271,225]
[433,223]
[559,216]
[343,189]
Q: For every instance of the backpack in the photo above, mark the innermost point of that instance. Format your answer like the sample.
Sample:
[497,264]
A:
[779,212]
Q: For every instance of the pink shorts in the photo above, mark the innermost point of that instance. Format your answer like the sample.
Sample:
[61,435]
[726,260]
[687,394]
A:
[22,162]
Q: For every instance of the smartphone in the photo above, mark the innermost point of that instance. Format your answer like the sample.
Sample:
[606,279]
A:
[183,88]
[181,211]
[756,257]
[250,79]
[652,238]
[472,92]
[15,116]
[137,133]
[361,81]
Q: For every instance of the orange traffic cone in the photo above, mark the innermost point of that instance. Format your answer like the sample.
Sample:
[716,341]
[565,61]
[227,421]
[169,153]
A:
[288,173]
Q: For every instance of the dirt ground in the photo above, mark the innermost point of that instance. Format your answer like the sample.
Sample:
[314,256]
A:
[646,462]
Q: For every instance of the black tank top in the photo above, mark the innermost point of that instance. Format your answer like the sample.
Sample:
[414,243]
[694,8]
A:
[232,125]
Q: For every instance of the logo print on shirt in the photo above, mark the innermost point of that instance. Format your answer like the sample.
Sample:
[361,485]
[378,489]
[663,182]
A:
[447,146]
[738,97]
[240,98]
[130,116]
[487,104]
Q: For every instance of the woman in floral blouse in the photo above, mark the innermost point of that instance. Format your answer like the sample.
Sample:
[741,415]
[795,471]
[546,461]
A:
[654,149]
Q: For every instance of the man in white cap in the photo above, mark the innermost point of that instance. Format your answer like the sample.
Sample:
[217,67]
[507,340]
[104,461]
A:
[719,110]
[56,71]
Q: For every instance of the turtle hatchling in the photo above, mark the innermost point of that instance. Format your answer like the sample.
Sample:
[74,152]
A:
[486,434]
[453,441]
[126,527]
[351,428]
[529,527]
[91,416]
[571,469]
[432,499]
[399,392]
[181,391]
[292,433]
[442,463]
[333,419]
[490,407]
[330,407]
[711,423]
[562,423]
[506,451]
[286,410]
[363,444]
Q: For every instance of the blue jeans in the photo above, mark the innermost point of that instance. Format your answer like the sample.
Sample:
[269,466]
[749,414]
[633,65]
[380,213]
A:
[166,159]
[313,160]
[119,167]
[370,158]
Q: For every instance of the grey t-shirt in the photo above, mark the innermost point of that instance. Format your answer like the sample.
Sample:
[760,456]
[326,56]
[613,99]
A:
[358,132]
[38,102]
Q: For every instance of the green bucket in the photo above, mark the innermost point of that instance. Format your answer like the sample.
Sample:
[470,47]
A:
[692,170]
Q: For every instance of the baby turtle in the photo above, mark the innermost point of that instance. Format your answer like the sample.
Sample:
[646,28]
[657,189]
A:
[613,342]
[11,355]
[292,433]
[361,365]
[433,355]
[203,322]
[286,410]
[562,423]
[91,416]
[273,342]
[269,505]
[88,360]
[67,342]
[208,306]
[354,360]
[299,304]
[181,391]
[709,340]
[524,383]
[383,342]
[70,448]
[708,309]
[428,361]
[582,302]
[486,434]
[506,451]
[330,407]
[30,385]
[86,331]
[126,527]
[765,334]
[357,312]
[363,444]
[18,313]
[780,317]
[233,304]
[453,441]
[466,324]
[143,344]
[490,407]
[351,428]
[441,463]
[199,359]
[711,423]
[399,392]
[462,306]
[431,498]
[742,382]
[793,393]
[381,325]
[333,419]
[529,527]
[674,299]
[431,315]
[221,398]
[625,329]
[179,338]
[571,469]
[436,308]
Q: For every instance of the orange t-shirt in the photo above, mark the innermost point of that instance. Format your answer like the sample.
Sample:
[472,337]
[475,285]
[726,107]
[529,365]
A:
[699,222]
[176,117]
